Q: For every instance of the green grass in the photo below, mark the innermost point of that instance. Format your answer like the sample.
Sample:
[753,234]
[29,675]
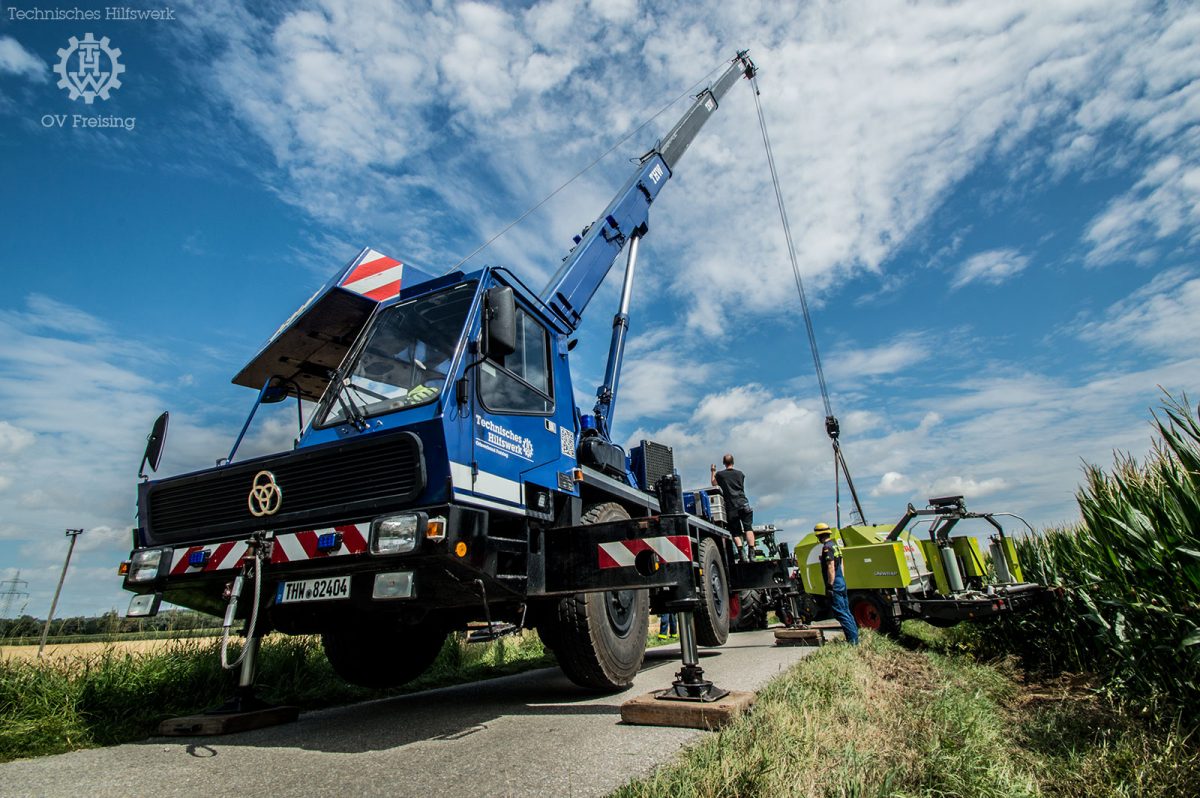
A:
[54,705]
[114,637]
[881,720]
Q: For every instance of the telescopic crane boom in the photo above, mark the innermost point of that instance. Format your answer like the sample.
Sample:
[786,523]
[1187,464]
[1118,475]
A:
[625,221]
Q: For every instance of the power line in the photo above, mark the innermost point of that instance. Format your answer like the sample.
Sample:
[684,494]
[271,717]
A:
[10,591]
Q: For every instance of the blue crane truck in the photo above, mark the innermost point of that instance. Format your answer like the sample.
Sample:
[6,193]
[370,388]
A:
[446,476]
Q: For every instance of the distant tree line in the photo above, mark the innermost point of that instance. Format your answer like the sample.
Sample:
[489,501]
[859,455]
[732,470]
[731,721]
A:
[110,623]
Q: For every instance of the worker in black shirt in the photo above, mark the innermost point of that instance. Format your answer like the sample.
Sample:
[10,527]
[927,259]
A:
[738,512]
[835,583]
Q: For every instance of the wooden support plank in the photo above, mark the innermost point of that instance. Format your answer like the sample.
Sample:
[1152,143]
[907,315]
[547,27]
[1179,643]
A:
[799,637]
[649,710]
[206,725]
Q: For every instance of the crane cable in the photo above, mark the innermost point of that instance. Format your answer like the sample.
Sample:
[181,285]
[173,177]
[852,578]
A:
[831,423]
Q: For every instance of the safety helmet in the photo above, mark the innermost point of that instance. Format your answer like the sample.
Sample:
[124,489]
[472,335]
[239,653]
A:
[819,528]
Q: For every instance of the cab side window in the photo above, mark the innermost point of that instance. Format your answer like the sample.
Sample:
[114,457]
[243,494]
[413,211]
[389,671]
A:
[520,382]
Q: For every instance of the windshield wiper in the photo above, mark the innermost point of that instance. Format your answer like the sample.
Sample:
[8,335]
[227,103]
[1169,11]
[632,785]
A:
[354,414]
[366,391]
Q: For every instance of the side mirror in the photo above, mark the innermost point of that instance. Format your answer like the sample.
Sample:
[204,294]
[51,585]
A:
[499,322]
[154,444]
[276,391]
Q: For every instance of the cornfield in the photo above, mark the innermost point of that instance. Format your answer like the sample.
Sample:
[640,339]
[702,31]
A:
[1131,572]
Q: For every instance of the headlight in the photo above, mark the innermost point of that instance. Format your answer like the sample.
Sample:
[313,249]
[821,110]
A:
[393,586]
[144,564]
[397,534]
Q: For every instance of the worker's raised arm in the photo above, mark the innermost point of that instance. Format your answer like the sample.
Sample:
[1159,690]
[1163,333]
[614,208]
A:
[713,475]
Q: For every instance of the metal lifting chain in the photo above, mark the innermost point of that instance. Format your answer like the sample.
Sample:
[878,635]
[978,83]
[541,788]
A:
[832,427]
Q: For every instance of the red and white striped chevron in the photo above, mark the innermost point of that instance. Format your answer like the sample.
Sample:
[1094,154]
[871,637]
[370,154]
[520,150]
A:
[376,276]
[221,556]
[292,547]
[299,546]
[623,553]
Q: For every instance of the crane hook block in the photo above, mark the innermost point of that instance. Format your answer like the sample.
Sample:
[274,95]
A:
[832,429]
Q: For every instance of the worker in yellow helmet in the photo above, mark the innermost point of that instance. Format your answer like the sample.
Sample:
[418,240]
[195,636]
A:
[835,583]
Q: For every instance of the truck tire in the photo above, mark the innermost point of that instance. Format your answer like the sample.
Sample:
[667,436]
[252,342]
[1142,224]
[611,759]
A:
[712,616]
[753,613]
[870,611]
[599,639]
[382,654]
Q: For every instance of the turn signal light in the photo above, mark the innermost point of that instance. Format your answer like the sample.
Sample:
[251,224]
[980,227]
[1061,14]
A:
[123,568]
[435,528]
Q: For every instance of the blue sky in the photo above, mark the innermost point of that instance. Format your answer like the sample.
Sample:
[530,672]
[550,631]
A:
[995,208]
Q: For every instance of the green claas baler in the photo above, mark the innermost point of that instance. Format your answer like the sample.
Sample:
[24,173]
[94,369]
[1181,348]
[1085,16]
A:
[892,572]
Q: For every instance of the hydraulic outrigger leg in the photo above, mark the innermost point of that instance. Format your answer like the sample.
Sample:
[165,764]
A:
[245,710]
[690,684]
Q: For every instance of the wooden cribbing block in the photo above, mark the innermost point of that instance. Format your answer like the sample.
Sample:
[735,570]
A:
[649,710]
[206,725]
[799,637]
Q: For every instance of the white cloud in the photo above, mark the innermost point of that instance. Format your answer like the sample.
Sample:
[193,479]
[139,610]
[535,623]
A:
[16,60]
[1150,93]
[433,155]
[992,267]
[898,355]
[893,483]
[1165,202]
[13,439]
[966,487]
[79,400]
[1161,316]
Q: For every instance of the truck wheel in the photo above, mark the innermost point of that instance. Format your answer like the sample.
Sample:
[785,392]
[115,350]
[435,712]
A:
[383,654]
[599,639]
[712,616]
[872,612]
[753,614]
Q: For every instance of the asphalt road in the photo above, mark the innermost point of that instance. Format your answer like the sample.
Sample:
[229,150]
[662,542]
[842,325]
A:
[533,734]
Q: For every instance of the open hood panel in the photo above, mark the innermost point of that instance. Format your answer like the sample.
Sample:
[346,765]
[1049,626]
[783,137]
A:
[315,339]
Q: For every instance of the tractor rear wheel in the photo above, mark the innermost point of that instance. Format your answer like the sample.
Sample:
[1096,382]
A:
[382,652]
[752,614]
[870,611]
[599,639]
[712,616]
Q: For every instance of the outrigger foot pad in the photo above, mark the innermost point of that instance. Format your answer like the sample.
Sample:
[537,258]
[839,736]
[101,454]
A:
[651,710]
[243,712]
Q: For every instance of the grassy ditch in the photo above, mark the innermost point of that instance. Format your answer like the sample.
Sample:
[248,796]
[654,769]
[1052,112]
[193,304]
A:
[54,705]
[882,720]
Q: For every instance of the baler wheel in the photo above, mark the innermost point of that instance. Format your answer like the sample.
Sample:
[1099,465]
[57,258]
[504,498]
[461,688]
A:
[872,612]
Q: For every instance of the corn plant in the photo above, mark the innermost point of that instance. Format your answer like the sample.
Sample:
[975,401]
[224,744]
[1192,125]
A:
[1131,572]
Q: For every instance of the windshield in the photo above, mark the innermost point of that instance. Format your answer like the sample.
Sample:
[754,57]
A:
[406,358]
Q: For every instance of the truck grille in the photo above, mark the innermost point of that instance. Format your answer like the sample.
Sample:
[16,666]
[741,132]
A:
[321,484]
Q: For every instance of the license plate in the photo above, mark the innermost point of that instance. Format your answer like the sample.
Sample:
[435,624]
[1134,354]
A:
[331,587]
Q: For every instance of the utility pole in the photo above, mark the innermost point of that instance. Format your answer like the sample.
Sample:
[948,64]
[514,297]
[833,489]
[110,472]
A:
[73,534]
